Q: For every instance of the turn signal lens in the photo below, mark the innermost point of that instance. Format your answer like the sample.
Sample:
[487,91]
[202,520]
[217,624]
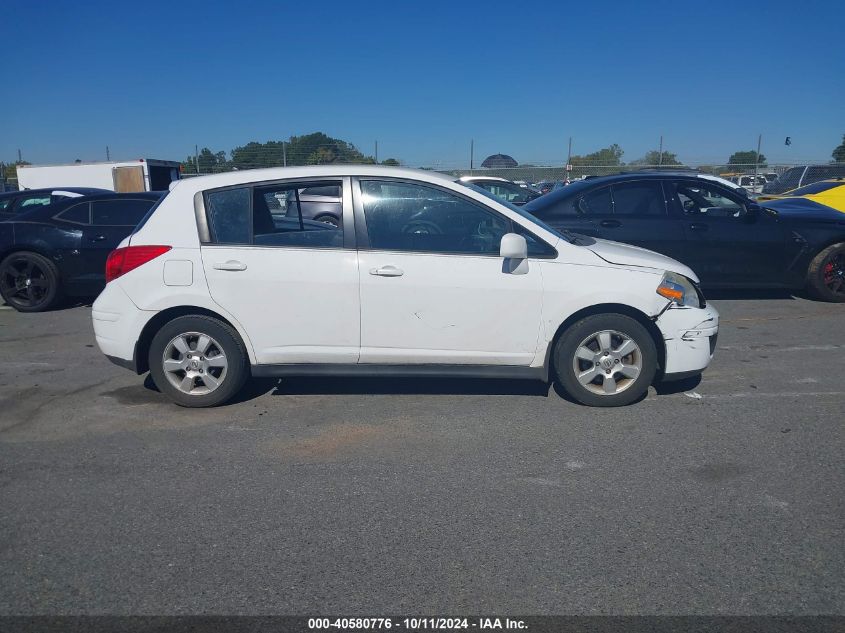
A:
[122,260]
[671,291]
[679,289]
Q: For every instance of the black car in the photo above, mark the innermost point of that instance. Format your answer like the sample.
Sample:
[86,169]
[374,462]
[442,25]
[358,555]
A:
[503,189]
[727,238]
[60,249]
[14,203]
[795,177]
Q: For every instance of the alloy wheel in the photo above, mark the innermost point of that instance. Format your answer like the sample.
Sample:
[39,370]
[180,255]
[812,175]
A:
[24,282]
[833,273]
[607,362]
[195,363]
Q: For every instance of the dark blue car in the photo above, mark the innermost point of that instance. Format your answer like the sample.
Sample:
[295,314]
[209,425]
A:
[60,249]
[727,238]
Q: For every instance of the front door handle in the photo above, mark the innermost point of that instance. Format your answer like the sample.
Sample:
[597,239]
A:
[230,265]
[610,224]
[387,271]
[697,226]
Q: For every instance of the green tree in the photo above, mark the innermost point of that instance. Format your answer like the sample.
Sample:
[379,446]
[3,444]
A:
[209,162]
[310,149]
[747,158]
[9,171]
[653,158]
[609,156]
[839,153]
[391,162]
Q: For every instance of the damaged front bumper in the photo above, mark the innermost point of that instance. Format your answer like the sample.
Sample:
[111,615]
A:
[690,338]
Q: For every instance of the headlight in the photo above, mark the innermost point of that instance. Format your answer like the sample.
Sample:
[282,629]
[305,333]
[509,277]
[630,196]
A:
[679,289]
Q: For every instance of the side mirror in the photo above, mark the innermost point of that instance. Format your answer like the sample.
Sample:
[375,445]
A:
[513,246]
[514,249]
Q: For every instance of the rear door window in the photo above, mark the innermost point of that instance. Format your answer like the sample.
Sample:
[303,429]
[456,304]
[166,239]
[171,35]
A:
[119,212]
[78,213]
[638,198]
[597,202]
[270,215]
[229,216]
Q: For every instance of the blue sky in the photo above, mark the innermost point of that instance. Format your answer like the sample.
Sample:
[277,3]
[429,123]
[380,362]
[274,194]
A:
[154,78]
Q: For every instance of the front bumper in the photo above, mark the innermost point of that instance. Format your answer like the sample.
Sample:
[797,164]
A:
[690,337]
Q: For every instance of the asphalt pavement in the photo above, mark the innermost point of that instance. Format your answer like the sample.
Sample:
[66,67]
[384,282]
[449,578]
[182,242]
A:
[364,496]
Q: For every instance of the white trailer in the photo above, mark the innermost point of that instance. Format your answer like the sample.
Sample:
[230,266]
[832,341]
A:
[143,174]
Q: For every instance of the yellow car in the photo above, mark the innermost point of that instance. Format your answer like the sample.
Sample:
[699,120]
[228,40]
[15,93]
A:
[830,193]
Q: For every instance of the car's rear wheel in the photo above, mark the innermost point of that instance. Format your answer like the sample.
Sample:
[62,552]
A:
[606,360]
[198,361]
[826,274]
[29,282]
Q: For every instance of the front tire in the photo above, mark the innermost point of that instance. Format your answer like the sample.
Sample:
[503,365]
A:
[826,274]
[29,282]
[198,361]
[606,360]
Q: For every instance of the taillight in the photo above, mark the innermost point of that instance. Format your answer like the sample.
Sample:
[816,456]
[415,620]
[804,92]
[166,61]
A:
[122,260]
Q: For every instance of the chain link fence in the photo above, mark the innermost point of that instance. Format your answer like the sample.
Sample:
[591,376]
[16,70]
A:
[279,154]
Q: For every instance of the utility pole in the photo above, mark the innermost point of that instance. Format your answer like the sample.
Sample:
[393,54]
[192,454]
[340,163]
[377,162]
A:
[660,153]
[197,159]
[376,153]
[569,152]
[471,153]
[757,158]
[20,160]
[108,155]
[284,154]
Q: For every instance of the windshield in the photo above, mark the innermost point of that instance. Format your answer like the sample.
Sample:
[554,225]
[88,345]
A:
[519,210]
[816,187]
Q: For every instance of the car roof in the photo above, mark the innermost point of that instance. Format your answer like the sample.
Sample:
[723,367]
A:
[479,178]
[658,175]
[592,183]
[49,210]
[51,190]
[317,172]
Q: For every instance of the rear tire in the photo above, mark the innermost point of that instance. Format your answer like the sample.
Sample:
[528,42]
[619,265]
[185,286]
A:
[29,282]
[606,360]
[198,361]
[826,274]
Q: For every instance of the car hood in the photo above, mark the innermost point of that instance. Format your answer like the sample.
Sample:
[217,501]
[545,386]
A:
[803,208]
[627,255]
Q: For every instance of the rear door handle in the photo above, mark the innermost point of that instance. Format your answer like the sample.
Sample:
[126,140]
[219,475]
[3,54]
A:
[697,226]
[98,238]
[230,265]
[387,271]
[610,224]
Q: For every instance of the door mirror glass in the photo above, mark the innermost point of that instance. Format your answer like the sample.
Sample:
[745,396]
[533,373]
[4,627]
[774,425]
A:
[513,246]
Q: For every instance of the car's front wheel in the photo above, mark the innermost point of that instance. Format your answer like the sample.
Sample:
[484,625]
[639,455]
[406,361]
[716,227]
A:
[826,274]
[606,360]
[29,282]
[198,361]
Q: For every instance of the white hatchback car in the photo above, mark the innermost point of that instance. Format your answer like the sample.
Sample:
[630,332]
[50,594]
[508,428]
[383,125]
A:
[422,277]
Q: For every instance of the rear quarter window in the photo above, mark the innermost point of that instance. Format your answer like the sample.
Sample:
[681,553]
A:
[78,214]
